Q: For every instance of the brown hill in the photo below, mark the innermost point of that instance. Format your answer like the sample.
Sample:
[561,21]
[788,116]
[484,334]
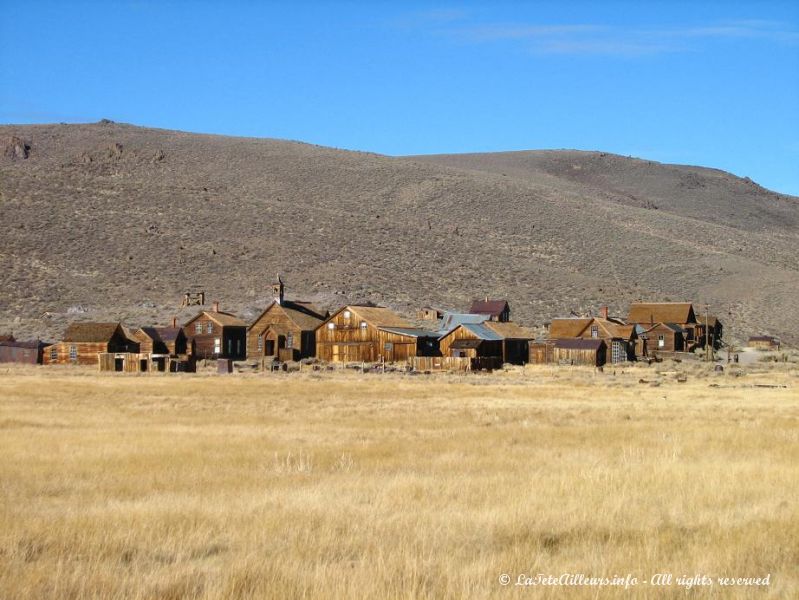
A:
[110,221]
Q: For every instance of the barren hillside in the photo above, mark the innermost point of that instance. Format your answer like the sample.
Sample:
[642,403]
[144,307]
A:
[107,221]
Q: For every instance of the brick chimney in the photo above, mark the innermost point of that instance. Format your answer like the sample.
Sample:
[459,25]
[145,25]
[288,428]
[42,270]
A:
[603,312]
[216,306]
[174,322]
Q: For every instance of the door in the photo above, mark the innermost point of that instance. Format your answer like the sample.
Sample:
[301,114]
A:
[336,355]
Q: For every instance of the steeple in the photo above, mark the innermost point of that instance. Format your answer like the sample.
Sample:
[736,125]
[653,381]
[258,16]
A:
[277,289]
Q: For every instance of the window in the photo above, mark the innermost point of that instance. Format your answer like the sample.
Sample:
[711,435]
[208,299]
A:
[289,340]
[53,353]
[594,331]
[217,346]
[618,352]
[363,325]
[260,341]
[198,327]
[73,353]
[331,325]
[209,328]
[347,314]
[661,341]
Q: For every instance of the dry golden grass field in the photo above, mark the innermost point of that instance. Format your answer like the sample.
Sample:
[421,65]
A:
[356,486]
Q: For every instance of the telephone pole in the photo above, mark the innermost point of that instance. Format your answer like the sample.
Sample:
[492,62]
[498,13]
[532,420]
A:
[707,334]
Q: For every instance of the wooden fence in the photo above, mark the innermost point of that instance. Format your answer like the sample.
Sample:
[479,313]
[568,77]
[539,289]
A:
[455,363]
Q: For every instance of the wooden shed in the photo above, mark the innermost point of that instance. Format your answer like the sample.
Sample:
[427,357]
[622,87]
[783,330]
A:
[569,351]
[82,342]
[495,310]
[170,341]
[429,313]
[515,341]
[619,338]
[216,334]
[764,342]
[286,329]
[475,341]
[357,333]
[14,351]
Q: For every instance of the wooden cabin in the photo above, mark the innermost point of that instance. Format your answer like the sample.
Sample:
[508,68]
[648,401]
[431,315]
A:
[715,331]
[216,334]
[82,342]
[569,351]
[162,343]
[619,338]
[515,341]
[660,337]
[475,341]
[679,314]
[15,351]
[495,310]
[357,333]
[429,313]
[286,329]
[764,342]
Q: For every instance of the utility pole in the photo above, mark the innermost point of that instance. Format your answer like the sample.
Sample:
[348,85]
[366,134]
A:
[707,334]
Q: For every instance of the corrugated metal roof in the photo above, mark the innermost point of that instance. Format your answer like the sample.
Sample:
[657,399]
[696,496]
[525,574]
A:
[451,320]
[482,332]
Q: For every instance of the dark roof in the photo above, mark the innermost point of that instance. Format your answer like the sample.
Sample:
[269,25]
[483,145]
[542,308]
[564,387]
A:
[163,334]
[90,332]
[579,344]
[489,307]
[763,338]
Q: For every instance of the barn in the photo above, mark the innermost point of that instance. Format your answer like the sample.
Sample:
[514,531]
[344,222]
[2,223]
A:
[360,333]
[285,330]
[82,342]
[216,334]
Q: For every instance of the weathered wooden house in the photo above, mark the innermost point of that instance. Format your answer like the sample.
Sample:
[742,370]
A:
[715,331]
[680,314]
[170,341]
[569,351]
[82,342]
[475,341]
[495,310]
[286,329]
[660,337]
[764,342]
[515,341]
[619,338]
[429,313]
[216,334]
[357,333]
[26,352]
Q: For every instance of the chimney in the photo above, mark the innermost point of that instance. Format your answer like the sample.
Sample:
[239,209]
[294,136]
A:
[216,306]
[603,312]
[174,322]
[278,289]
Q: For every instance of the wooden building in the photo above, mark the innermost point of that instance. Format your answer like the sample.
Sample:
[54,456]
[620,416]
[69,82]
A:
[515,341]
[14,351]
[357,333]
[680,314]
[660,337]
[169,341]
[82,342]
[619,338]
[715,331]
[286,329]
[764,342]
[475,341]
[569,351]
[429,313]
[216,334]
[495,310]
[144,362]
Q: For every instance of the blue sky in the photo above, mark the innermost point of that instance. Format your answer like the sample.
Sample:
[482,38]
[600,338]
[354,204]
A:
[708,83]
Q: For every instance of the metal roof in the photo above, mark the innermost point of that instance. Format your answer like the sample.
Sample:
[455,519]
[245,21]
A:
[451,320]
[483,332]
[410,331]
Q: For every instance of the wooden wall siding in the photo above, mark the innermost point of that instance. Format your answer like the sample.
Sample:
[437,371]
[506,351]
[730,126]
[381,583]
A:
[574,356]
[233,339]
[86,353]
[273,323]
[130,362]
[672,342]
[19,354]
[350,342]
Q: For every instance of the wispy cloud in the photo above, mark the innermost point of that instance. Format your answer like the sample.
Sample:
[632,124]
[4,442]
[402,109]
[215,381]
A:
[600,39]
